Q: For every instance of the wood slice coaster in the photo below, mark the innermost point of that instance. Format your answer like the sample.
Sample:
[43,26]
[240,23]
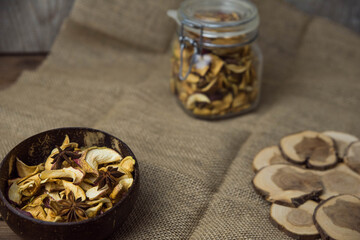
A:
[313,149]
[295,222]
[352,156]
[338,218]
[268,156]
[307,171]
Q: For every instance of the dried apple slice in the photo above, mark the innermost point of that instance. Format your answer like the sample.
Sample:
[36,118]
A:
[85,186]
[342,141]
[123,185]
[97,201]
[236,68]
[128,163]
[83,164]
[314,149]
[196,98]
[106,201]
[338,218]
[227,100]
[93,211]
[216,64]
[75,174]
[79,174]
[126,166]
[36,212]
[14,193]
[287,185]
[37,200]
[352,156]
[268,156]
[54,185]
[295,222]
[36,207]
[211,86]
[62,194]
[201,111]
[340,180]
[50,215]
[98,156]
[54,195]
[27,186]
[30,185]
[75,189]
[94,192]
[90,179]
[24,170]
[240,99]
[187,53]
[192,78]
[15,180]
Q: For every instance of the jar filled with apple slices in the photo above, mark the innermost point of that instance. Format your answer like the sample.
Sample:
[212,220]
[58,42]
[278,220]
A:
[216,63]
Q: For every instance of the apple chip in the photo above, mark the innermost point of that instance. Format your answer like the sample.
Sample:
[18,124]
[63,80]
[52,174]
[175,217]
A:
[29,186]
[216,65]
[52,185]
[25,170]
[75,174]
[127,164]
[93,211]
[123,185]
[76,190]
[94,192]
[192,78]
[196,98]
[98,156]
[15,194]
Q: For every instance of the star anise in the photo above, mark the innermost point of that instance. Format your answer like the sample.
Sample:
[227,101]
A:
[72,209]
[107,177]
[64,155]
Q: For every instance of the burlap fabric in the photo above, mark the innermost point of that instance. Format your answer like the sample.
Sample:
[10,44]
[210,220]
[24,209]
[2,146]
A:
[196,175]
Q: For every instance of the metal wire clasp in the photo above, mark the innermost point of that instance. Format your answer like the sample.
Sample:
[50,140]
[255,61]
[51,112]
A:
[196,45]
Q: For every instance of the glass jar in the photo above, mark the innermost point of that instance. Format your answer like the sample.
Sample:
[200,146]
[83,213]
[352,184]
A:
[216,64]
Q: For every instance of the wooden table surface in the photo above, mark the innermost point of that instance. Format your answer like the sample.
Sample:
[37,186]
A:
[31,26]
[13,60]
[11,66]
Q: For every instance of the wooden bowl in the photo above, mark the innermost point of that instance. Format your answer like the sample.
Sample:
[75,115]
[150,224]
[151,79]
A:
[35,150]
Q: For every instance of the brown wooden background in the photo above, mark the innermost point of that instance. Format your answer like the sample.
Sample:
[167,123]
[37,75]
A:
[30,26]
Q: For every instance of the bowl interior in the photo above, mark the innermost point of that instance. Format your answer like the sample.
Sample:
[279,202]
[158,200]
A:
[37,148]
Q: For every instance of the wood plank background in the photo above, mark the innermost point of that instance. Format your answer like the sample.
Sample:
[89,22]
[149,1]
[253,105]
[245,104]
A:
[30,26]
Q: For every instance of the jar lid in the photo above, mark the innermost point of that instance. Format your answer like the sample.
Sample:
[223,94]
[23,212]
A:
[220,18]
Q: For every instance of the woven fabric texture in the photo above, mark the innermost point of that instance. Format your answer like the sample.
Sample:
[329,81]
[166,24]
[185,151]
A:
[108,70]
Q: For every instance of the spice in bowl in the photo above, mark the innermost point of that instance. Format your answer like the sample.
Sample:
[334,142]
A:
[73,184]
